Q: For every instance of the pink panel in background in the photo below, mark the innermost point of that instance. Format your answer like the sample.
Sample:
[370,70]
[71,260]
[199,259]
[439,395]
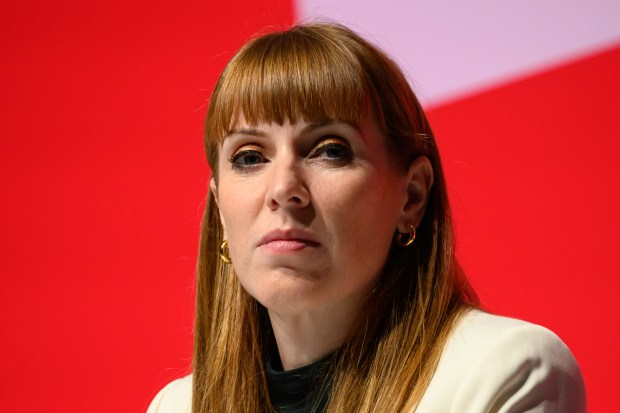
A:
[453,48]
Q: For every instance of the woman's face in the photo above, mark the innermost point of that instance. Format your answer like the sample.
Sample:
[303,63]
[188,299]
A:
[309,210]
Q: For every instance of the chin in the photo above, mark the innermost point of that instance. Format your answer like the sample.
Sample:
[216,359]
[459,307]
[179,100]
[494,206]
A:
[291,296]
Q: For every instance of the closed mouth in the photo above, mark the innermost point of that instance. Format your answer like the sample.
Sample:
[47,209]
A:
[288,239]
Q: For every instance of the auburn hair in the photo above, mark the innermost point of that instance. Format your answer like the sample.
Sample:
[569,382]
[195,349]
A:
[319,72]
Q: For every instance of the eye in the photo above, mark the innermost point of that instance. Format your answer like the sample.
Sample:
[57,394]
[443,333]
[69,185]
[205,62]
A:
[333,150]
[247,158]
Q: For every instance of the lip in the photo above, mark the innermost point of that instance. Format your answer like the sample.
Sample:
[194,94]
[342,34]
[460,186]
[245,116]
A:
[288,240]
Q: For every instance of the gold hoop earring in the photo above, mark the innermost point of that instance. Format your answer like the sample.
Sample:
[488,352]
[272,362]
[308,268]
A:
[410,239]
[224,252]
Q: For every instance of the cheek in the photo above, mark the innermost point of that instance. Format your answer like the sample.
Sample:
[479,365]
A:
[362,218]
[362,202]
[237,204]
[236,220]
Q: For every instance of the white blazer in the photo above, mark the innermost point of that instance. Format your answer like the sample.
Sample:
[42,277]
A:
[490,364]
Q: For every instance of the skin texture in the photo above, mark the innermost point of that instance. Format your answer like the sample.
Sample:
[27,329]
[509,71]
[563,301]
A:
[310,211]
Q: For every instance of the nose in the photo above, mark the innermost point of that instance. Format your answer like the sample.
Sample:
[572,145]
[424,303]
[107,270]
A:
[287,186]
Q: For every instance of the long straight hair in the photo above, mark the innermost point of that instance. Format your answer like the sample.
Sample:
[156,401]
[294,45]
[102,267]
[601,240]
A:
[319,72]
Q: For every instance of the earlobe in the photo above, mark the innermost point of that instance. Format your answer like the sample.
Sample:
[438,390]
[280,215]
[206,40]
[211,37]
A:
[213,188]
[420,180]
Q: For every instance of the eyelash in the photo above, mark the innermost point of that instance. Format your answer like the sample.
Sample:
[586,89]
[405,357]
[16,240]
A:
[345,155]
[239,156]
[345,152]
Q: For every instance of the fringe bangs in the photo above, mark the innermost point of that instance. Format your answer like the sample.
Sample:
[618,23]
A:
[298,75]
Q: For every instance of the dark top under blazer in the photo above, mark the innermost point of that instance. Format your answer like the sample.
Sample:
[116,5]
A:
[490,364]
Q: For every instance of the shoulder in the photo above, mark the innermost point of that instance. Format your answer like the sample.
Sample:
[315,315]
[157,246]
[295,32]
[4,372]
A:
[175,397]
[500,364]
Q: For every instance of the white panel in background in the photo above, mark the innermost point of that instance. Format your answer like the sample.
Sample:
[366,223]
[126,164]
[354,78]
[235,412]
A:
[453,48]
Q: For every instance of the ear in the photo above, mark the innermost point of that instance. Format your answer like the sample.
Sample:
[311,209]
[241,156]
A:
[213,188]
[419,184]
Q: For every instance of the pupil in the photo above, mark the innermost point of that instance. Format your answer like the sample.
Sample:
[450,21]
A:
[251,159]
[334,152]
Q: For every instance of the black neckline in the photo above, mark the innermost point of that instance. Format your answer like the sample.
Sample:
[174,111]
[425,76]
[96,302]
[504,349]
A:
[301,390]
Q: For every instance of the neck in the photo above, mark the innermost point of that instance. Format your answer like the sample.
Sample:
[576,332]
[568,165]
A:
[305,338]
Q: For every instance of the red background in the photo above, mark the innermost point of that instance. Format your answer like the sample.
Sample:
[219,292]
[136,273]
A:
[103,178]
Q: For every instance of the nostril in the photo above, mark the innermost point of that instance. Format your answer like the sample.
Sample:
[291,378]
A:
[287,188]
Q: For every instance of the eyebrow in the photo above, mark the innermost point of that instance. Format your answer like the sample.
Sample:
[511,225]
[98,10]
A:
[316,125]
[308,128]
[246,131]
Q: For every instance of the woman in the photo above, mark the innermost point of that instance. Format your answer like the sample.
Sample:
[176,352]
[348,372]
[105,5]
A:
[326,278]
